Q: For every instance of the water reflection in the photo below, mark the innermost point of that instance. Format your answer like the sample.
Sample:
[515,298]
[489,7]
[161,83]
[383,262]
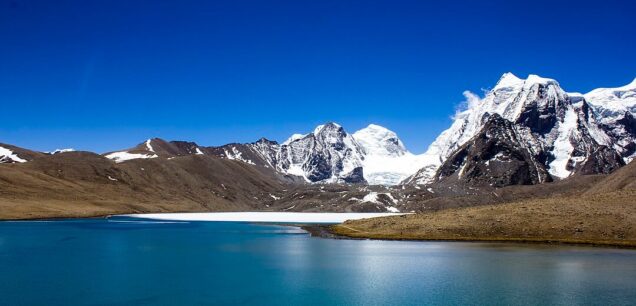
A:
[101,262]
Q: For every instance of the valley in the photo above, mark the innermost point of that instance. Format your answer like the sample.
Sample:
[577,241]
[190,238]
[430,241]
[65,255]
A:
[527,151]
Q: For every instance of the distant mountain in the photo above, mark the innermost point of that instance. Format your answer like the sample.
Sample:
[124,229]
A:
[328,154]
[386,160]
[373,155]
[524,131]
[528,131]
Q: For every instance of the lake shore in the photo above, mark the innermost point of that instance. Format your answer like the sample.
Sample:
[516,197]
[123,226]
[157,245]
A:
[607,219]
[601,220]
[336,232]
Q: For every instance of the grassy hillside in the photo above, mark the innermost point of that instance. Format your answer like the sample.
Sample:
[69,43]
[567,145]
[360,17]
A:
[605,215]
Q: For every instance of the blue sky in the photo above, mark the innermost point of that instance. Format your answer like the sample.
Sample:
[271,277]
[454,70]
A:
[105,75]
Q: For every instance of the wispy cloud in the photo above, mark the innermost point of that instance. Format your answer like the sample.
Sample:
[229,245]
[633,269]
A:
[472,100]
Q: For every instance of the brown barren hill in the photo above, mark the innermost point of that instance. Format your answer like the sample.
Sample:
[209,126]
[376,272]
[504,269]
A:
[83,184]
[623,178]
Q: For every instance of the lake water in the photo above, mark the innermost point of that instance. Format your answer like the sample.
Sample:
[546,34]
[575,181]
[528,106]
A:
[135,262]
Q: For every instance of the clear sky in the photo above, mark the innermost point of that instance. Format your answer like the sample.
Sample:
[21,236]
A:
[105,75]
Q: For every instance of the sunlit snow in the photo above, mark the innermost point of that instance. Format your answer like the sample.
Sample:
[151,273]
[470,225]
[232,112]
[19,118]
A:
[123,156]
[7,155]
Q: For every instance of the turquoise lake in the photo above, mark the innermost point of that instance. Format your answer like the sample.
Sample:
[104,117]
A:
[135,262]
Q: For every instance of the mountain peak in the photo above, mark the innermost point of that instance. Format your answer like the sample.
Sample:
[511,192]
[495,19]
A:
[508,80]
[376,127]
[293,137]
[378,140]
[266,141]
[535,79]
[329,126]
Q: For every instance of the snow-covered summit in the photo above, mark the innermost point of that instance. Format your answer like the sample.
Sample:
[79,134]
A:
[509,98]
[386,159]
[327,127]
[611,103]
[551,122]
[294,137]
[509,80]
[378,140]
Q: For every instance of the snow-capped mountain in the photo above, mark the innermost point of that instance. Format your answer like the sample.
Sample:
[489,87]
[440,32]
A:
[374,155]
[615,109]
[534,121]
[329,154]
[386,159]
[378,140]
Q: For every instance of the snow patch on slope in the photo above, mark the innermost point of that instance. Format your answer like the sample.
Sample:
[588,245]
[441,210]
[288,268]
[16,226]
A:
[149,146]
[562,146]
[123,156]
[373,197]
[235,154]
[7,156]
[56,151]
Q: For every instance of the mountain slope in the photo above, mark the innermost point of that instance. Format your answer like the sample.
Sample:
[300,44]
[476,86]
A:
[493,157]
[156,147]
[621,179]
[87,184]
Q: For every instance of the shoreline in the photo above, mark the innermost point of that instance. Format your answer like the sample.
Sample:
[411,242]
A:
[338,231]
[330,232]
[594,220]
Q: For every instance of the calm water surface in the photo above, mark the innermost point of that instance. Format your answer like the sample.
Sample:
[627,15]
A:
[127,261]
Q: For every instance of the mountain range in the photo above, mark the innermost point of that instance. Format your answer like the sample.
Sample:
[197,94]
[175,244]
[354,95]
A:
[522,132]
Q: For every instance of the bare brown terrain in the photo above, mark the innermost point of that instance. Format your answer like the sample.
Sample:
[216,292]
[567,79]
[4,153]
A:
[604,215]
[82,184]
